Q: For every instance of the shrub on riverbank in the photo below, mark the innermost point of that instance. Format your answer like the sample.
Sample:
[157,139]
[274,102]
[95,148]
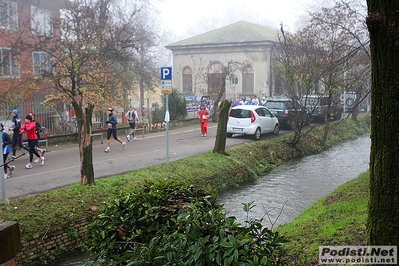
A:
[176,223]
[38,215]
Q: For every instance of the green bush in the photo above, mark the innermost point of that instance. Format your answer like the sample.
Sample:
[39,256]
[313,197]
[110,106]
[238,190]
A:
[177,105]
[173,223]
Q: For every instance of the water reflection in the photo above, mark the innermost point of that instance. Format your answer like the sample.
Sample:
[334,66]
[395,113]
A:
[293,187]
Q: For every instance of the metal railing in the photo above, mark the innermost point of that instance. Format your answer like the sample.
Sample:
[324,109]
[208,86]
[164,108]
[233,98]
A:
[101,131]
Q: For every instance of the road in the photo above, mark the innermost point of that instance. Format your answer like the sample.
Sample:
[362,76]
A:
[62,164]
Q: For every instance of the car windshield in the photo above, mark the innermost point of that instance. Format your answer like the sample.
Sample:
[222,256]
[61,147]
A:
[240,113]
[275,105]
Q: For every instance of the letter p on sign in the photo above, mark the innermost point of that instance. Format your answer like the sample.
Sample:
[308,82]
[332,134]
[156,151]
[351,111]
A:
[166,73]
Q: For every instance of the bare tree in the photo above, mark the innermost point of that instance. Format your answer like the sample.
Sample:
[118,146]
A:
[146,68]
[339,30]
[318,58]
[298,62]
[347,18]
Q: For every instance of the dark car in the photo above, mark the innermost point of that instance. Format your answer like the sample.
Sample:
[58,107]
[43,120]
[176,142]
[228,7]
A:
[319,109]
[288,112]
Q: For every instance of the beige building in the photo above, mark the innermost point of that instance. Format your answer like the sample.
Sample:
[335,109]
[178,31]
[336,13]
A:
[198,62]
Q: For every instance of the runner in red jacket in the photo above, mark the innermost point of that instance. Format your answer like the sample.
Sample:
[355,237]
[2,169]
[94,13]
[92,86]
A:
[30,129]
[203,117]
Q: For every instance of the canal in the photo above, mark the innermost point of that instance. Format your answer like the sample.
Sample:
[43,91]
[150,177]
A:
[289,189]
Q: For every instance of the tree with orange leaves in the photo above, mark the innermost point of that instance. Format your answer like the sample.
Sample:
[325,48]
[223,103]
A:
[90,64]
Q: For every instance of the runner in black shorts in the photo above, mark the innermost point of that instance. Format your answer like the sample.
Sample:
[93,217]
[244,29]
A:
[111,124]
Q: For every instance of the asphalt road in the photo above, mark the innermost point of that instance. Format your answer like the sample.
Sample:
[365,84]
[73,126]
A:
[62,164]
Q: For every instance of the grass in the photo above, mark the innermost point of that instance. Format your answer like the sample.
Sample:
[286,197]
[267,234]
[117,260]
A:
[56,209]
[335,220]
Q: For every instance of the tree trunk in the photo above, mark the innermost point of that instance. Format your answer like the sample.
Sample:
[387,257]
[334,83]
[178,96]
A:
[327,123]
[220,142]
[84,115]
[383,212]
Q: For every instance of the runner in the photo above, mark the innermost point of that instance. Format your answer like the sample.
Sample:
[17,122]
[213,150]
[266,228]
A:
[30,129]
[203,117]
[6,142]
[16,137]
[132,117]
[38,130]
[111,124]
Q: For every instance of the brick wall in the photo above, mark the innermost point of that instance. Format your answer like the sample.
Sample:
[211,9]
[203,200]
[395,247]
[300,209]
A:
[55,244]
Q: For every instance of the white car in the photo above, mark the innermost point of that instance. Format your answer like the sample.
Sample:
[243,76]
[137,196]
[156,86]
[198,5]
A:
[251,120]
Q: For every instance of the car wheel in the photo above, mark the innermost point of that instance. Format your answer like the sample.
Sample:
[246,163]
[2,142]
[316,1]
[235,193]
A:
[229,135]
[276,129]
[308,119]
[291,124]
[338,116]
[349,101]
[257,134]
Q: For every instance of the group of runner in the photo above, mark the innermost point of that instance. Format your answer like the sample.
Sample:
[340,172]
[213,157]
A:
[32,129]
[131,116]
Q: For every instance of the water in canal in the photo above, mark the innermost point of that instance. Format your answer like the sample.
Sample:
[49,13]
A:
[289,189]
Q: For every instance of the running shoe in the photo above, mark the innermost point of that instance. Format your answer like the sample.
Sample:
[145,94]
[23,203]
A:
[13,157]
[36,160]
[41,160]
[135,139]
[6,176]
[28,166]
[43,152]
[107,150]
[12,169]
[123,145]
[128,137]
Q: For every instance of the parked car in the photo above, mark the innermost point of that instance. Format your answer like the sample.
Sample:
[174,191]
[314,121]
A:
[251,120]
[288,112]
[319,110]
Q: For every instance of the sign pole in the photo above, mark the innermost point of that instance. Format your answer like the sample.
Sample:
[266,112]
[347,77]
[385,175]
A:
[2,183]
[167,119]
[166,85]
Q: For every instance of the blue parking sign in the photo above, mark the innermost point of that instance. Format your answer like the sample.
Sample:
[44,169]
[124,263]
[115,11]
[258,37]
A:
[166,73]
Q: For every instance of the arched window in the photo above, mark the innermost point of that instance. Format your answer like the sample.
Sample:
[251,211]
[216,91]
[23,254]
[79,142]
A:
[248,80]
[215,78]
[187,81]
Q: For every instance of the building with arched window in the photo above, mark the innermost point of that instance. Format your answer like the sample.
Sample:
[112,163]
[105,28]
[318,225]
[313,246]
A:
[199,62]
